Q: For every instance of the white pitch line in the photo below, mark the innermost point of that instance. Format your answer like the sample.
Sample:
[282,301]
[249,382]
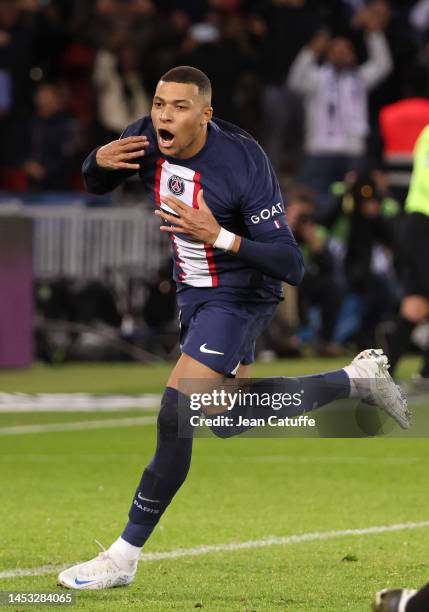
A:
[87,402]
[75,402]
[312,459]
[19,430]
[234,546]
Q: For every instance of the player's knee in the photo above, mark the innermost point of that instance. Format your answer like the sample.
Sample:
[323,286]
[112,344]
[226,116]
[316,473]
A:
[168,414]
[174,416]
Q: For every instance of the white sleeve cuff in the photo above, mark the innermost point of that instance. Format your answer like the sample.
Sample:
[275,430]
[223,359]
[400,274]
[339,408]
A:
[225,240]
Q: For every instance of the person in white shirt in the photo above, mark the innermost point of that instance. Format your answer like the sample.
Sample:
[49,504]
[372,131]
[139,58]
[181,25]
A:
[336,103]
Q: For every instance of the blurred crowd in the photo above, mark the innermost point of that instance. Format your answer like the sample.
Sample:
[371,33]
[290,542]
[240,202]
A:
[79,71]
[326,86]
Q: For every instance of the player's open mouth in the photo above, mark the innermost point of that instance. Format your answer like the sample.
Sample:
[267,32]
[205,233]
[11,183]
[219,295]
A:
[166,138]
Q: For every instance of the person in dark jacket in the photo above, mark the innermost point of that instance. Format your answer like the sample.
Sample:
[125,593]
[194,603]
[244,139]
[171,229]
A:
[53,141]
[319,287]
[367,263]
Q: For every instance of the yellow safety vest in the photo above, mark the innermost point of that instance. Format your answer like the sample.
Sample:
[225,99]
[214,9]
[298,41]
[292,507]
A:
[418,194]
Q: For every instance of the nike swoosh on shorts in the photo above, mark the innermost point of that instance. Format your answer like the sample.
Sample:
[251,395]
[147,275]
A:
[203,349]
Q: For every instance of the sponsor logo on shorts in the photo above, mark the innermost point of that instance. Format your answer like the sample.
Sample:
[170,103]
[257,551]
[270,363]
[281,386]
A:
[204,349]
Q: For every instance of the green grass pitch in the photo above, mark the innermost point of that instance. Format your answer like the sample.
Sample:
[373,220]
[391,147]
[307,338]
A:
[60,491]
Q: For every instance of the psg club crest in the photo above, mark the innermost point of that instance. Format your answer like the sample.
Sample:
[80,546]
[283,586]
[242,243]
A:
[176,185]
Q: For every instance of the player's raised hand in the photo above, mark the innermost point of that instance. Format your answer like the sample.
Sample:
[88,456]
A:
[198,223]
[122,154]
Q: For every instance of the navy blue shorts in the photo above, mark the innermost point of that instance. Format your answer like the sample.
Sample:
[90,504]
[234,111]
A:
[222,335]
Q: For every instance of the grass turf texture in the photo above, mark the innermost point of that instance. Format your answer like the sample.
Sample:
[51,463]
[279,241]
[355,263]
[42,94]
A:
[61,490]
[134,379]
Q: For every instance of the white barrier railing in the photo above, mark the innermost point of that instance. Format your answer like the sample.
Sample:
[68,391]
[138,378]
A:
[83,243]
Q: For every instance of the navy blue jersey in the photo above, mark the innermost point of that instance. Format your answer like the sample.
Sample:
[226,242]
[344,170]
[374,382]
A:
[241,190]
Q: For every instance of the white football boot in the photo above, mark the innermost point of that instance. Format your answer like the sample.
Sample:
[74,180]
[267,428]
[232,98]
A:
[102,572]
[392,600]
[371,380]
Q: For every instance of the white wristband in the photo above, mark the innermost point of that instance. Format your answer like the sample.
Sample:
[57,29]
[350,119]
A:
[225,240]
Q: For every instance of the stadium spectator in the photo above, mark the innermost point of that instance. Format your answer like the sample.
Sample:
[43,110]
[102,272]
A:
[401,40]
[319,287]
[22,48]
[368,264]
[120,94]
[336,103]
[419,16]
[288,25]
[216,48]
[77,65]
[53,141]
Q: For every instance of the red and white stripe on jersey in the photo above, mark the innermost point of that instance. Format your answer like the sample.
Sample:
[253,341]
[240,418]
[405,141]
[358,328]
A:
[194,259]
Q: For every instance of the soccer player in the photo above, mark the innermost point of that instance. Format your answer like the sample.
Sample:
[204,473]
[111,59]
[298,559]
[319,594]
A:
[220,203]
[402,600]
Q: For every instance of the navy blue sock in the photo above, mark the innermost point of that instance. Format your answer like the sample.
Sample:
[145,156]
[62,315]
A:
[313,392]
[163,476]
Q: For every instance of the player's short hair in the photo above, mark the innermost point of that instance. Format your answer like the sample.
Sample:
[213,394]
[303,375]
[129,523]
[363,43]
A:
[188,74]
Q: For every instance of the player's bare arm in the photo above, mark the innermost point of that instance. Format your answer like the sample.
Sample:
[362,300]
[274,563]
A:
[121,154]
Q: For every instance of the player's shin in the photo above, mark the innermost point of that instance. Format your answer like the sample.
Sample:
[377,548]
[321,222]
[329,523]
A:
[398,342]
[160,480]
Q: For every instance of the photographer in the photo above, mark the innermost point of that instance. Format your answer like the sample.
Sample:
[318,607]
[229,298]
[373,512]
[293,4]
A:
[319,287]
[368,265]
